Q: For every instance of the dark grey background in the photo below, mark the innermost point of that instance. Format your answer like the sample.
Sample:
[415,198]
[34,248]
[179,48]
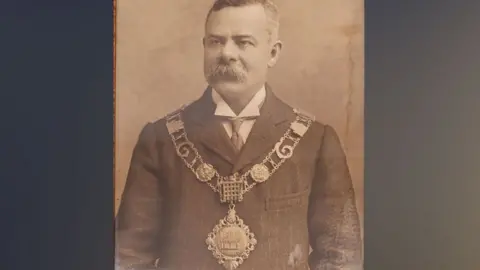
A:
[422,152]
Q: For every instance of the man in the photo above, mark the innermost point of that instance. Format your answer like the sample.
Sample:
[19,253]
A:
[238,179]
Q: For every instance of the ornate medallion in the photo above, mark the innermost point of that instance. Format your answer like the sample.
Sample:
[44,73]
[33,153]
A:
[205,172]
[231,241]
[259,173]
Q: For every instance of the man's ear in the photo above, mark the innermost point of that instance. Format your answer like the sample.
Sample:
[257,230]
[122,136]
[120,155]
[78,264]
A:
[275,53]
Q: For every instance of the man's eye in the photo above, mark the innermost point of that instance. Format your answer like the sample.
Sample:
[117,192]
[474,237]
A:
[214,41]
[245,43]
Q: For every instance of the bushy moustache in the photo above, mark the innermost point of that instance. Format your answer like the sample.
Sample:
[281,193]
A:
[224,71]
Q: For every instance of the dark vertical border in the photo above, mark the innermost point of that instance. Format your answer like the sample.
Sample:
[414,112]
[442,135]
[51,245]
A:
[422,127]
[57,127]
[114,96]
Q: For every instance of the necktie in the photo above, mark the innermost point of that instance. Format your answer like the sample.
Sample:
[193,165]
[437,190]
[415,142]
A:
[236,139]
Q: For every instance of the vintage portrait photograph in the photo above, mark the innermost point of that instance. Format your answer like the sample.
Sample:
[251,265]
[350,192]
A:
[239,134]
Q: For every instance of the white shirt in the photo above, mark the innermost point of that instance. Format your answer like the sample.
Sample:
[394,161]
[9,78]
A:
[252,109]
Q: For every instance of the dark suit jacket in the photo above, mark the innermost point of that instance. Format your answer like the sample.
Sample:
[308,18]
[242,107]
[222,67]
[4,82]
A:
[166,213]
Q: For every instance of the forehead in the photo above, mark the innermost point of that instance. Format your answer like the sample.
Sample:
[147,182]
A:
[245,20]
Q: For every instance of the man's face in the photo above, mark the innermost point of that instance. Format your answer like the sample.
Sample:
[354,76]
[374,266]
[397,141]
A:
[238,49]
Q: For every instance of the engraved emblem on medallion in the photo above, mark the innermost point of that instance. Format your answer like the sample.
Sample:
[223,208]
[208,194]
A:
[205,172]
[259,173]
[231,241]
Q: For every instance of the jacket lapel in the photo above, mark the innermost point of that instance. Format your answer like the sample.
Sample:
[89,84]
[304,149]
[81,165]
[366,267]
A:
[275,117]
[204,129]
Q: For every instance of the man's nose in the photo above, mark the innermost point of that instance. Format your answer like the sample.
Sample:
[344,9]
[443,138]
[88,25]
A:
[230,51]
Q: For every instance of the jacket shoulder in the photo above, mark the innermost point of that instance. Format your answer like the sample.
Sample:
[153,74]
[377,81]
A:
[304,114]
[162,120]
[160,124]
[317,126]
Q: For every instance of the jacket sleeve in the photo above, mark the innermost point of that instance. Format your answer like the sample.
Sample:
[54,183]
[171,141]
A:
[334,226]
[139,218]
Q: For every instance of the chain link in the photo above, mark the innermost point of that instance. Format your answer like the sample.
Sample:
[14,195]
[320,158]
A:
[268,159]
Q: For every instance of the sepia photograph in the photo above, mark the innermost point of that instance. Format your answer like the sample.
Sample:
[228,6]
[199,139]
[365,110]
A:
[239,134]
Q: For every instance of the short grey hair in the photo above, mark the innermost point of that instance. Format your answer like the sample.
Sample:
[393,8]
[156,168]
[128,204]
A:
[271,10]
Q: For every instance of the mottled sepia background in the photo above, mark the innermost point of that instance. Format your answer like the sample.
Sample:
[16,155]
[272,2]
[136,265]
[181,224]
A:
[159,67]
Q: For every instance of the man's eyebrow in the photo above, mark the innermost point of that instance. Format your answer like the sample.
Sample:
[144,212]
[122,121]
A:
[215,36]
[243,36]
[235,37]
[240,37]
